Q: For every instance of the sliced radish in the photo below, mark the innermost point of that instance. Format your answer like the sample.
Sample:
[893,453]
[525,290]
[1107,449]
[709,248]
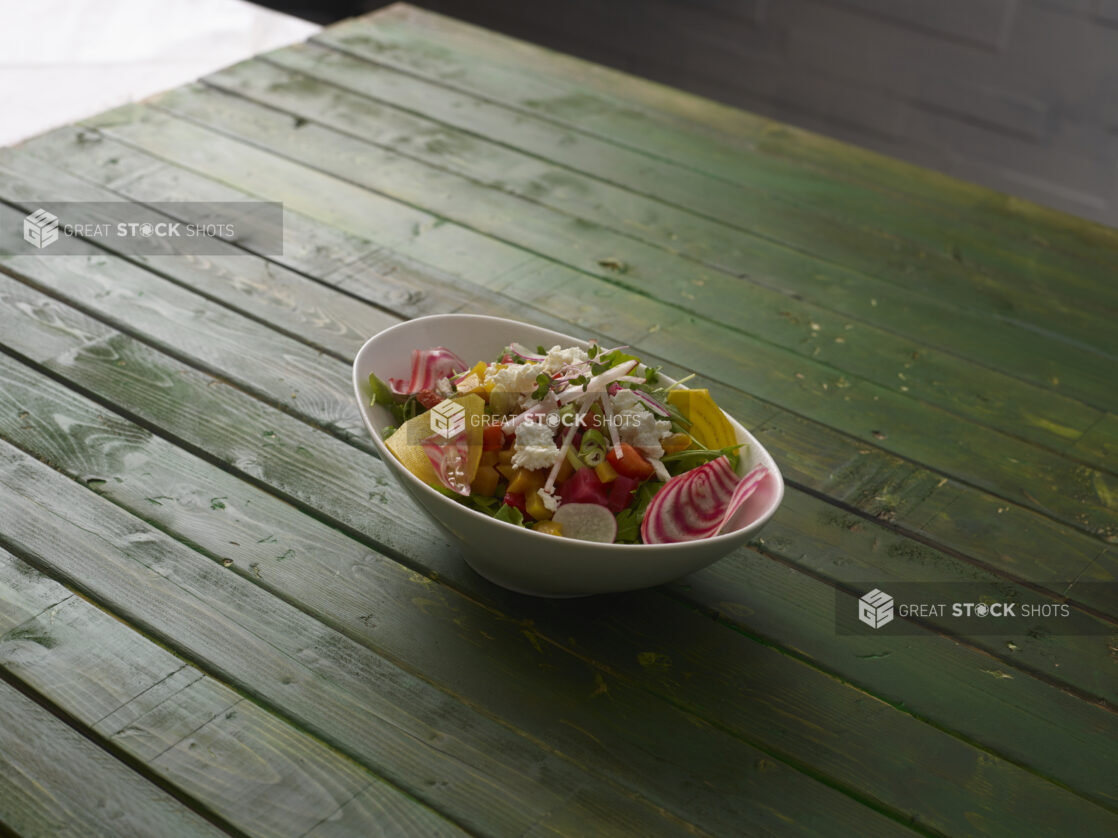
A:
[522,351]
[598,382]
[697,503]
[586,522]
[427,367]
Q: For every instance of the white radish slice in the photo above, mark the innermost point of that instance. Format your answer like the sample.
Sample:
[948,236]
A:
[598,382]
[586,522]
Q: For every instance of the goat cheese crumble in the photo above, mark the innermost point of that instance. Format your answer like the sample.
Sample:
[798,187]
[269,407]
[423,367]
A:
[534,447]
[637,425]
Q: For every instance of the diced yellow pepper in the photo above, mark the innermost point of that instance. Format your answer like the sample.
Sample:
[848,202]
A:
[489,385]
[535,506]
[672,444]
[472,384]
[507,470]
[485,481]
[606,473]
[505,455]
[526,482]
[549,527]
[489,458]
[708,423]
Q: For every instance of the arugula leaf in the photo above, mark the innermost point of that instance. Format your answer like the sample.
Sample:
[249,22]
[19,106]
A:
[629,519]
[509,514]
[383,395]
[484,503]
[695,457]
[611,359]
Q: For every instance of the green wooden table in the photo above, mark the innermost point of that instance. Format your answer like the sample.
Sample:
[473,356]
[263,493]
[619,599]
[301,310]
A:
[220,616]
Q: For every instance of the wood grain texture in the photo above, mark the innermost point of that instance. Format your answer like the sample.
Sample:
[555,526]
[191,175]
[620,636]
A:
[365,705]
[810,454]
[1007,794]
[274,549]
[830,455]
[909,427]
[790,281]
[244,373]
[776,323]
[914,286]
[258,773]
[211,485]
[1011,240]
[413,654]
[54,782]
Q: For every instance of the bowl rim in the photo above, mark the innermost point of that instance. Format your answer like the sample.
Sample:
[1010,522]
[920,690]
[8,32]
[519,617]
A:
[398,468]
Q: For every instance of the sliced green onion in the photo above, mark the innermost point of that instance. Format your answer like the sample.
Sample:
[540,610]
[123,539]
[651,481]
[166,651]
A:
[592,450]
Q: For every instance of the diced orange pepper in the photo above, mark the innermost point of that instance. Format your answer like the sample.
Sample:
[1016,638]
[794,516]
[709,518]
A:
[492,438]
[631,463]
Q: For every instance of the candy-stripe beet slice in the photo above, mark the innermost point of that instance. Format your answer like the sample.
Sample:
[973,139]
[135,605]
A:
[691,505]
[742,493]
[427,367]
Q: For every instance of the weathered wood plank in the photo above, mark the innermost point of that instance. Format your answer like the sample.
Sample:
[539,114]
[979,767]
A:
[904,271]
[826,722]
[967,389]
[1005,236]
[24,593]
[361,704]
[861,350]
[258,773]
[788,274]
[243,371]
[277,564]
[219,525]
[54,782]
[1031,546]
[904,425]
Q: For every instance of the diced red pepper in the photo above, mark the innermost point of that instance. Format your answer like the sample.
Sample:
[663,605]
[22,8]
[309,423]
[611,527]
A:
[428,398]
[492,438]
[631,463]
[621,493]
[515,500]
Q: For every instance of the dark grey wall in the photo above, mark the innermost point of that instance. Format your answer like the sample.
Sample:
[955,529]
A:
[1019,95]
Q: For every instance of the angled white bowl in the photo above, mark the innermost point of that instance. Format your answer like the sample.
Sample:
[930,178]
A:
[515,557]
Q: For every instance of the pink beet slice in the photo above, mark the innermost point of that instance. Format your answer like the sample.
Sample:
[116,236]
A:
[743,492]
[584,487]
[448,457]
[427,367]
[697,503]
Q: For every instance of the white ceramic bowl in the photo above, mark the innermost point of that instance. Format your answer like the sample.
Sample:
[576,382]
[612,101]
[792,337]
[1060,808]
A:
[515,557]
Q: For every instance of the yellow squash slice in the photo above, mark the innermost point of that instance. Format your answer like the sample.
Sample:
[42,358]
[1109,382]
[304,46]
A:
[708,423]
[405,442]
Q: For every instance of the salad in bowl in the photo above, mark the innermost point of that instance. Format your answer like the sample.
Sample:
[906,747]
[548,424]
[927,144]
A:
[545,454]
